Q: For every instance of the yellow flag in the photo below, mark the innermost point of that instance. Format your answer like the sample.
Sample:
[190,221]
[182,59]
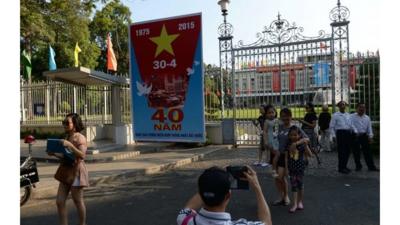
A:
[76,52]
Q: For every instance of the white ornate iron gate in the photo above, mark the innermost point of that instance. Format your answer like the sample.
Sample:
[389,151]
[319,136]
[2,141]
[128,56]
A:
[284,68]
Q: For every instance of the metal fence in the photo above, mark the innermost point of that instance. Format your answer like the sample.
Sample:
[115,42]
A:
[48,102]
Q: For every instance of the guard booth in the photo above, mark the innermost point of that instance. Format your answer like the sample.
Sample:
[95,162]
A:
[119,130]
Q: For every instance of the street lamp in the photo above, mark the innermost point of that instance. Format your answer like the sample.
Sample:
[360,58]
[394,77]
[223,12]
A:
[224,6]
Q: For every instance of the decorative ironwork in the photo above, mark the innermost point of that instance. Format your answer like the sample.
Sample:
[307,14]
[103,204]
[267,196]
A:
[339,13]
[280,31]
[225,30]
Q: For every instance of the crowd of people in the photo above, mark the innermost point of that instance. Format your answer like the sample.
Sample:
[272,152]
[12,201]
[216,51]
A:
[287,149]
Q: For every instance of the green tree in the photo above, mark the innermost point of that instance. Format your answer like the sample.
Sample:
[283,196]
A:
[60,23]
[70,22]
[113,18]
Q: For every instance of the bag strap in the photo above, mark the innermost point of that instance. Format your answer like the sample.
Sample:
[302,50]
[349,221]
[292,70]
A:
[187,218]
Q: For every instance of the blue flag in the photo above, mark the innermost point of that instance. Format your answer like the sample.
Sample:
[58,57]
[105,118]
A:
[52,61]
[321,74]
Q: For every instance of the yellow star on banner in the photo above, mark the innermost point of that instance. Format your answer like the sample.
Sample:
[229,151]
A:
[164,42]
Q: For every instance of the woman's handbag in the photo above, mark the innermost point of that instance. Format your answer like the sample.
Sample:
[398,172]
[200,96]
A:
[66,173]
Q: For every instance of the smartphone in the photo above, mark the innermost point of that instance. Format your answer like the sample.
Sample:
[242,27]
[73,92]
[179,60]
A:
[236,177]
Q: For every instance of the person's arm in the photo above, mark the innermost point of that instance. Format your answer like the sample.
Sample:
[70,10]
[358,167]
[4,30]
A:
[80,151]
[352,123]
[307,152]
[369,131]
[263,212]
[194,202]
[304,138]
[332,126]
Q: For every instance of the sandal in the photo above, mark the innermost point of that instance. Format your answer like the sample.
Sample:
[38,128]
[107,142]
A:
[300,206]
[293,209]
[278,202]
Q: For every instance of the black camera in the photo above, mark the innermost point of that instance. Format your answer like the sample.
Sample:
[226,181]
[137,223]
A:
[237,177]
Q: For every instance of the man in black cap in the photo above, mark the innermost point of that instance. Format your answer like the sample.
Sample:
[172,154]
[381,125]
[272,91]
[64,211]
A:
[342,130]
[213,197]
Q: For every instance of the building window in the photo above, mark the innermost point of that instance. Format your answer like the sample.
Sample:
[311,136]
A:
[253,85]
[285,80]
[261,83]
[244,84]
[268,82]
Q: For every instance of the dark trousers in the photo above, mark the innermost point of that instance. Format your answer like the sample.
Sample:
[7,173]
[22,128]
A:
[361,144]
[344,143]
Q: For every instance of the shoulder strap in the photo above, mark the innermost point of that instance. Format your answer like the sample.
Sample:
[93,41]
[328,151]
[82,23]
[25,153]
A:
[187,219]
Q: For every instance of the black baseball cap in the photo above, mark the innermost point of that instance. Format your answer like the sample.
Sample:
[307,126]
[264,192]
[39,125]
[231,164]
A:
[214,184]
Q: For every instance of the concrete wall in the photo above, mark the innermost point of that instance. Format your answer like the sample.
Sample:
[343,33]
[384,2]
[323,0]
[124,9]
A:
[121,134]
[214,133]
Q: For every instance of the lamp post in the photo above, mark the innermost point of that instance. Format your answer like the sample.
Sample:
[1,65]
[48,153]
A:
[226,60]
[223,40]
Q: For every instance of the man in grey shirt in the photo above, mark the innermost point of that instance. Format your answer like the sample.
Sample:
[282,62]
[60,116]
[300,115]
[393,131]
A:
[363,137]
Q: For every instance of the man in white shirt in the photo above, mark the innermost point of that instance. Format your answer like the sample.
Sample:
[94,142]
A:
[342,130]
[363,137]
[213,198]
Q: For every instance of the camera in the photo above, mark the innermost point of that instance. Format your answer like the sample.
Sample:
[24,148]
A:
[237,177]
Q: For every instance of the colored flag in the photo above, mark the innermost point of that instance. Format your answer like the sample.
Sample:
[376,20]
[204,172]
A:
[111,60]
[76,52]
[26,61]
[52,61]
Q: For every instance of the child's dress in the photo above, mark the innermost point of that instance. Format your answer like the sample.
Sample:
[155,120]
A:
[296,167]
[272,129]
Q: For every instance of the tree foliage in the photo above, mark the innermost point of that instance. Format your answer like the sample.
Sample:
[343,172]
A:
[113,18]
[63,23]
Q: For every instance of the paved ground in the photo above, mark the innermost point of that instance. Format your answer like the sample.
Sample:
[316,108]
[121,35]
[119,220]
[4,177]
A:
[331,198]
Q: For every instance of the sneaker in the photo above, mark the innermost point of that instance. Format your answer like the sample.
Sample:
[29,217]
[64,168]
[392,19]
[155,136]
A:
[265,164]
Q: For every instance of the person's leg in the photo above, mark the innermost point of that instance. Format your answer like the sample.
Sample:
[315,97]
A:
[293,183]
[281,186]
[62,195]
[77,196]
[349,140]
[340,149]
[275,159]
[325,141]
[369,160]
[300,192]
[356,153]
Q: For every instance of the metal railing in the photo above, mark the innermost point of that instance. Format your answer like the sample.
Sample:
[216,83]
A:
[48,102]
[51,101]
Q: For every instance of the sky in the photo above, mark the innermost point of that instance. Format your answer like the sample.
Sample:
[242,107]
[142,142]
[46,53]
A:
[249,17]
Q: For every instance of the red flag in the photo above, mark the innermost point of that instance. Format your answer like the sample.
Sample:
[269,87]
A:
[292,80]
[111,60]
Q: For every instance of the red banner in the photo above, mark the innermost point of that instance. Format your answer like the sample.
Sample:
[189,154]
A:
[352,76]
[292,80]
[276,81]
[164,53]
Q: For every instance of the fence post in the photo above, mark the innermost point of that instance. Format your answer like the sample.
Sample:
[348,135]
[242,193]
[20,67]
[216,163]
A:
[116,105]
[104,104]
[22,102]
[47,105]
[74,103]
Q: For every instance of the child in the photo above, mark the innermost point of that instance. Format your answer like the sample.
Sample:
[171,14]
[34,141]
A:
[295,161]
[270,135]
[261,150]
